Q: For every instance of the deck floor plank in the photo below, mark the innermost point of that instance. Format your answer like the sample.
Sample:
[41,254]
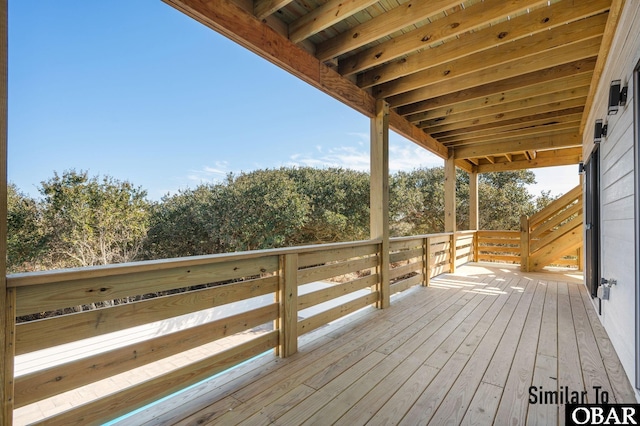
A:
[463,351]
[593,371]
[514,403]
[546,366]
[622,390]
[457,401]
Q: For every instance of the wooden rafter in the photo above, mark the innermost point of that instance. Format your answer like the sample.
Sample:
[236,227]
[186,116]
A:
[325,16]
[545,130]
[264,8]
[452,25]
[523,124]
[519,57]
[514,116]
[394,20]
[561,157]
[507,40]
[529,106]
[562,140]
[496,89]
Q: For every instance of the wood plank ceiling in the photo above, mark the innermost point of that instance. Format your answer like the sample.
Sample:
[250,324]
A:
[499,84]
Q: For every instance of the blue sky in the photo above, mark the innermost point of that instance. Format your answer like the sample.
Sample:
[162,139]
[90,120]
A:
[141,92]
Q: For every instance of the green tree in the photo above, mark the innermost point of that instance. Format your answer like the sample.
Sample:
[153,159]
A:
[186,224]
[25,243]
[416,204]
[88,221]
[417,200]
[261,209]
[338,204]
[503,197]
[257,210]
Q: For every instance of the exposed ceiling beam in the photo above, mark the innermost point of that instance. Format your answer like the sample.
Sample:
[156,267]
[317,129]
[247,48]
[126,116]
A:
[535,47]
[504,111]
[537,62]
[457,23]
[494,91]
[561,157]
[394,20]
[325,16]
[264,8]
[503,123]
[491,135]
[233,21]
[465,165]
[519,28]
[551,109]
[562,140]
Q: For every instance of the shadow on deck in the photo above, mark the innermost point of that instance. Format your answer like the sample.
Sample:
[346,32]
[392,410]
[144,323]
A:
[474,347]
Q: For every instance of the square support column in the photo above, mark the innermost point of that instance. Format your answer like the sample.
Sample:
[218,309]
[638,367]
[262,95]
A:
[473,202]
[379,200]
[450,194]
[7,297]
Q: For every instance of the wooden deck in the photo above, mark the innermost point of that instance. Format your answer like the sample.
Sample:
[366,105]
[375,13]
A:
[464,351]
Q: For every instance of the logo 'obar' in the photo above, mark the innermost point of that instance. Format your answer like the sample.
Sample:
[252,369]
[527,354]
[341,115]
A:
[602,414]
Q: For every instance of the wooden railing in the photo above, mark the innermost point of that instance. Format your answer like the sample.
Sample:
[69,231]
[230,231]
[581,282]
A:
[498,246]
[554,235]
[154,292]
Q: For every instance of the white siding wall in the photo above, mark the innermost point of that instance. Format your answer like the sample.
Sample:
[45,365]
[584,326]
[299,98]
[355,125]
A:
[617,187]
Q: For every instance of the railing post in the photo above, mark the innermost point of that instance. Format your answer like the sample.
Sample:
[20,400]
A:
[579,255]
[288,300]
[475,246]
[384,283]
[8,354]
[426,261]
[525,235]
[452,240]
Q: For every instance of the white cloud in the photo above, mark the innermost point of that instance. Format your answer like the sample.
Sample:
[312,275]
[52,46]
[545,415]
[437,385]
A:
[209,174]
[403,155]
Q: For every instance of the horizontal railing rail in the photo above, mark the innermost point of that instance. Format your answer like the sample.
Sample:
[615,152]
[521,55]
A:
[266,299]
[499,246]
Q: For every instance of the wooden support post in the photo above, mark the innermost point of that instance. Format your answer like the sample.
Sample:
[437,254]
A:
[426,261]
[7,296]
[379,201]
[524,243]
[450,193]
[450,204]
[473,202]
[288,299]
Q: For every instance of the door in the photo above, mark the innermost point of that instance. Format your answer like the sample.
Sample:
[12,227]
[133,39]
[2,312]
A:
[636,148]
[592,221]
